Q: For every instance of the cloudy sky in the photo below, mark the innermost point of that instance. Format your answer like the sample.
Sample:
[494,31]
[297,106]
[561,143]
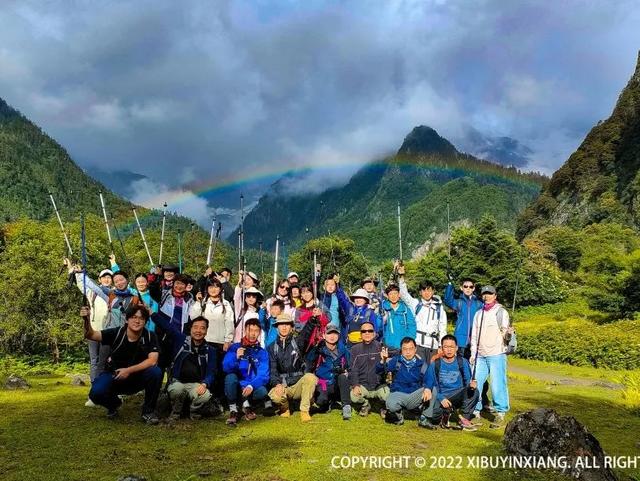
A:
[225,90]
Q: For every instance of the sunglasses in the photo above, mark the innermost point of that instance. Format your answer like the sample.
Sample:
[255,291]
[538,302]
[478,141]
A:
[283,287]
[468,286]
[366,330]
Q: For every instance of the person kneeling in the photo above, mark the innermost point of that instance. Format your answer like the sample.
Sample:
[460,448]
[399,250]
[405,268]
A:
[193,368]
[132,365]
[329,360]
[287,367]
[247,367]
[448,386]
[407,387]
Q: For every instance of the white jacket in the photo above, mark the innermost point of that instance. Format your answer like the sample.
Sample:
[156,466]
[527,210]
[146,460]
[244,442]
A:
[220,317]
[431,318]
[495,323]
[99,308]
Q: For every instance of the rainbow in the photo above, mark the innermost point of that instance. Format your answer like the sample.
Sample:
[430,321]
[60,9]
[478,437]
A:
[221,184]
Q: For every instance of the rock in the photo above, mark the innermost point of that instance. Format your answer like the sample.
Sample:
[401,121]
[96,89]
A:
[79,379]
[131,477]
[544,433]
[14,382]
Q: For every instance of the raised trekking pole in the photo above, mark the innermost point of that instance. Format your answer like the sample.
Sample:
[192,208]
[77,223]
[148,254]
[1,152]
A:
[261,263]
[448,234]
[211,236]
[164,221]
[315,277]
[179,251]
[83,247]
[106,222]
[215,241]
[275,266]
[64,233]
[395,269]
[515,290]
[124,252]
[144,240]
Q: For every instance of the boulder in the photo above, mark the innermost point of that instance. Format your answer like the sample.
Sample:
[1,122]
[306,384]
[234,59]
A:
[79,379]
[16,382]
[544,433]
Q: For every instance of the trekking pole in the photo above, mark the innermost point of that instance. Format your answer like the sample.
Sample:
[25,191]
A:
[395,270]
[261,263]
[244,261]
[195,247]
[144,240]
[83,248]
[239,253]
[164,221]
[124,252]
[275,266]
[448,235]
[179,252]
[314,276]
[215,241]
[211,236]
[64,233]
[106,222]
[515,291]
[475,361]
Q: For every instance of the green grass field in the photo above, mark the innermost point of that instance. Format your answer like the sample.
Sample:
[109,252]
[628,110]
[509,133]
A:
[47,434]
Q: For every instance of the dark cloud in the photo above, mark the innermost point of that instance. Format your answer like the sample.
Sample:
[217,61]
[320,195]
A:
[189,90]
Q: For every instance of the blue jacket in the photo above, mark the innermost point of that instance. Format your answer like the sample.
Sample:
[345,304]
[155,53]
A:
[408,376]
[398,324]
[182,347]
[151,304]
[332,306]
[252,369]
[465,308]
[354,316]
[271,331]
[321,361]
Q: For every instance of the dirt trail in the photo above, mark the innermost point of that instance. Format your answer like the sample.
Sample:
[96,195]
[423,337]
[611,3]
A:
[563,380]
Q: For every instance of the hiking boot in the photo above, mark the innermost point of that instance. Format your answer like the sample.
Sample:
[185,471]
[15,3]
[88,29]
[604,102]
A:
[249,415]
[346,412]
[304,416]
[364,411]
[498,421]
[444,421]
[173,417]
[90,403]
[150,418]
[232,420]
[269,410]
[489,408]
[467,425]
[285,414]
[424,422]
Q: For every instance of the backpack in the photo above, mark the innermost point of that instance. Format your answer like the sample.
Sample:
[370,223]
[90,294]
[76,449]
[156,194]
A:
[134,301]
[512,344]
[437,364]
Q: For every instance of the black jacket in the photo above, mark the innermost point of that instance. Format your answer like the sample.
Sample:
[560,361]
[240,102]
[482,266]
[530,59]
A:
[362,369]
[286,357]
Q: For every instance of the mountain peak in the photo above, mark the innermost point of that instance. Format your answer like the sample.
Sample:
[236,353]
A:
[425,140]
[7,112]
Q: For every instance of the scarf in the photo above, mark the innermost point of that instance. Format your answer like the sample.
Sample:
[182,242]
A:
[488,307]
[122,293]
[245,342]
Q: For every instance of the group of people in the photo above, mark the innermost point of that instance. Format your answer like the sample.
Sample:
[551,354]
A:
[306,347]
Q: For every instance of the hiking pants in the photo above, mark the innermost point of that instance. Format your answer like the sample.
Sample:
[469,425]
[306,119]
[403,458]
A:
[302,390]
[494,368]
[325,392]
[381,393]
[233,391]
[105,389]
[178,392]
[464,399]
[397,401]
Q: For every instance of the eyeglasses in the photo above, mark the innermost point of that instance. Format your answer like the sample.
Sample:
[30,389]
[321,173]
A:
[283,287]
[366,331]
[137,316]
[468,286]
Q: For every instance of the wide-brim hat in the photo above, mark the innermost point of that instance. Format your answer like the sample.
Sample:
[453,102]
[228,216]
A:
[361,293]
[369,279]
[253,290]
